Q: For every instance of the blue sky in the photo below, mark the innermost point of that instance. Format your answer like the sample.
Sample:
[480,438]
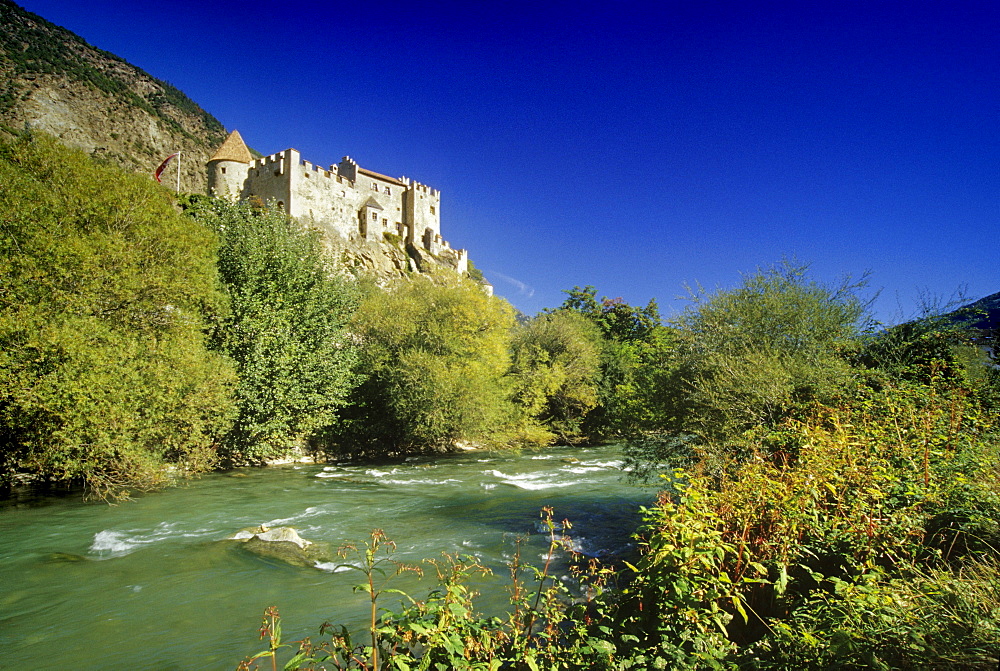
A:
[635,147]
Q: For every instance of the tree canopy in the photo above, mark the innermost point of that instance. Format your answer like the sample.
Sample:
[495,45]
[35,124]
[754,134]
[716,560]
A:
[104,371]
[434,353]
[285,330]
[753,353]
[557,365]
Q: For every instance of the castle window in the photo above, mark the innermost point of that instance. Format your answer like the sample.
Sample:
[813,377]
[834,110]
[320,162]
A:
[387,192]
[374,216]
[432,209]
[385,222]
[223,170]
[307,174]
[374,186]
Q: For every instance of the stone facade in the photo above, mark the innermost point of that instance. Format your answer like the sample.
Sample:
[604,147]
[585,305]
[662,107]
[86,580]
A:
[345,200]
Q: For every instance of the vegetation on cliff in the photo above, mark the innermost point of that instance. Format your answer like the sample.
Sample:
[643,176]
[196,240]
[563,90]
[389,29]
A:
[54,81]
[31,45]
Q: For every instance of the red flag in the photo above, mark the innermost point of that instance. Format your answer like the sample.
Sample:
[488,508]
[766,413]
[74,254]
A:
[163,166]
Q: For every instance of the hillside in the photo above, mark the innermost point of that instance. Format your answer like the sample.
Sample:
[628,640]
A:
[983,314]
[53,80]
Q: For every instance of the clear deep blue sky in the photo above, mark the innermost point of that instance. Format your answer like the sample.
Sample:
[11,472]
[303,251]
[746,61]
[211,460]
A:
[632,146]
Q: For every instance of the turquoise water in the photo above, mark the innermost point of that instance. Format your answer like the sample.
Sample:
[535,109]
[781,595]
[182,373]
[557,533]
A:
[148,585]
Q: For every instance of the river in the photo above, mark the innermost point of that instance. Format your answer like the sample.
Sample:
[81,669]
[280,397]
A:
[148,585]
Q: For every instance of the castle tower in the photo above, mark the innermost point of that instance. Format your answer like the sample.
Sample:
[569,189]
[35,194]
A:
[228,168]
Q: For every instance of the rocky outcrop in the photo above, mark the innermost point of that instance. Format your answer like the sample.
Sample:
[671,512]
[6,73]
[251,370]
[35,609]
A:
[386,260]
[52,80]
[283,544]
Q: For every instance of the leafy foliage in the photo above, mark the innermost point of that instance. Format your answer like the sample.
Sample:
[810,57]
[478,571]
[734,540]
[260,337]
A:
[435,354]
[751,357]
[543,630]
[617,319]
[636,380]
[556,365]
[105,292]
[755,353]
[885,510]
[285,331]
[641,392]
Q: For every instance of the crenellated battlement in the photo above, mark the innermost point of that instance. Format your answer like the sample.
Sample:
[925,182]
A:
[344,199]
[332,172]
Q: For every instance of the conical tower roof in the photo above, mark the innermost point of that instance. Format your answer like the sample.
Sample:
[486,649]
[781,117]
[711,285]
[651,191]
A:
[233,149]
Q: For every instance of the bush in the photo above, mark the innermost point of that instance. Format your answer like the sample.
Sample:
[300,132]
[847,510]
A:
[755,354]
[434,355]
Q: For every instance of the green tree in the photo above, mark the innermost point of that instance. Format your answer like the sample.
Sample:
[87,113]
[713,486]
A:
[641,392]
[557,368]
[747,358]
[617,319]
[104,373]
[636,381]
[753,354]
[435,356]
[285,331]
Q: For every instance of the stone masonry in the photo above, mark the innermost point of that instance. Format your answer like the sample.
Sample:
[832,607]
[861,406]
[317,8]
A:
[345,200]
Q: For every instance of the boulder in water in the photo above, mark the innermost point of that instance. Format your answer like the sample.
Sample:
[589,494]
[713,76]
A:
[283,544]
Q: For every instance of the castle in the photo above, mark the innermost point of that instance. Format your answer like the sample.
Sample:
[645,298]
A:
[344,200]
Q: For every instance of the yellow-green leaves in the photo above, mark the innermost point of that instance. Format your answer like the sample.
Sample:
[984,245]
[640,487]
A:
[434,354]
[106,290]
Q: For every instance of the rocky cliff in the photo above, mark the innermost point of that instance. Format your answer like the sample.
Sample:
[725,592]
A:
[52,80]
[391,258]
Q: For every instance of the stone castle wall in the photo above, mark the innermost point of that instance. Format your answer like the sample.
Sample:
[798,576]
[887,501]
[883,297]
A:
[345,199]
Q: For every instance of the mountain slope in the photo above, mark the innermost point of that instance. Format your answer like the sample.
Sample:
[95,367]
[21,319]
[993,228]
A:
[983,314]
[53,80]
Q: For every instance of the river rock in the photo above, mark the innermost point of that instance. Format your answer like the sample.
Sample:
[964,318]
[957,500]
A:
[64,558]
[283,544]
